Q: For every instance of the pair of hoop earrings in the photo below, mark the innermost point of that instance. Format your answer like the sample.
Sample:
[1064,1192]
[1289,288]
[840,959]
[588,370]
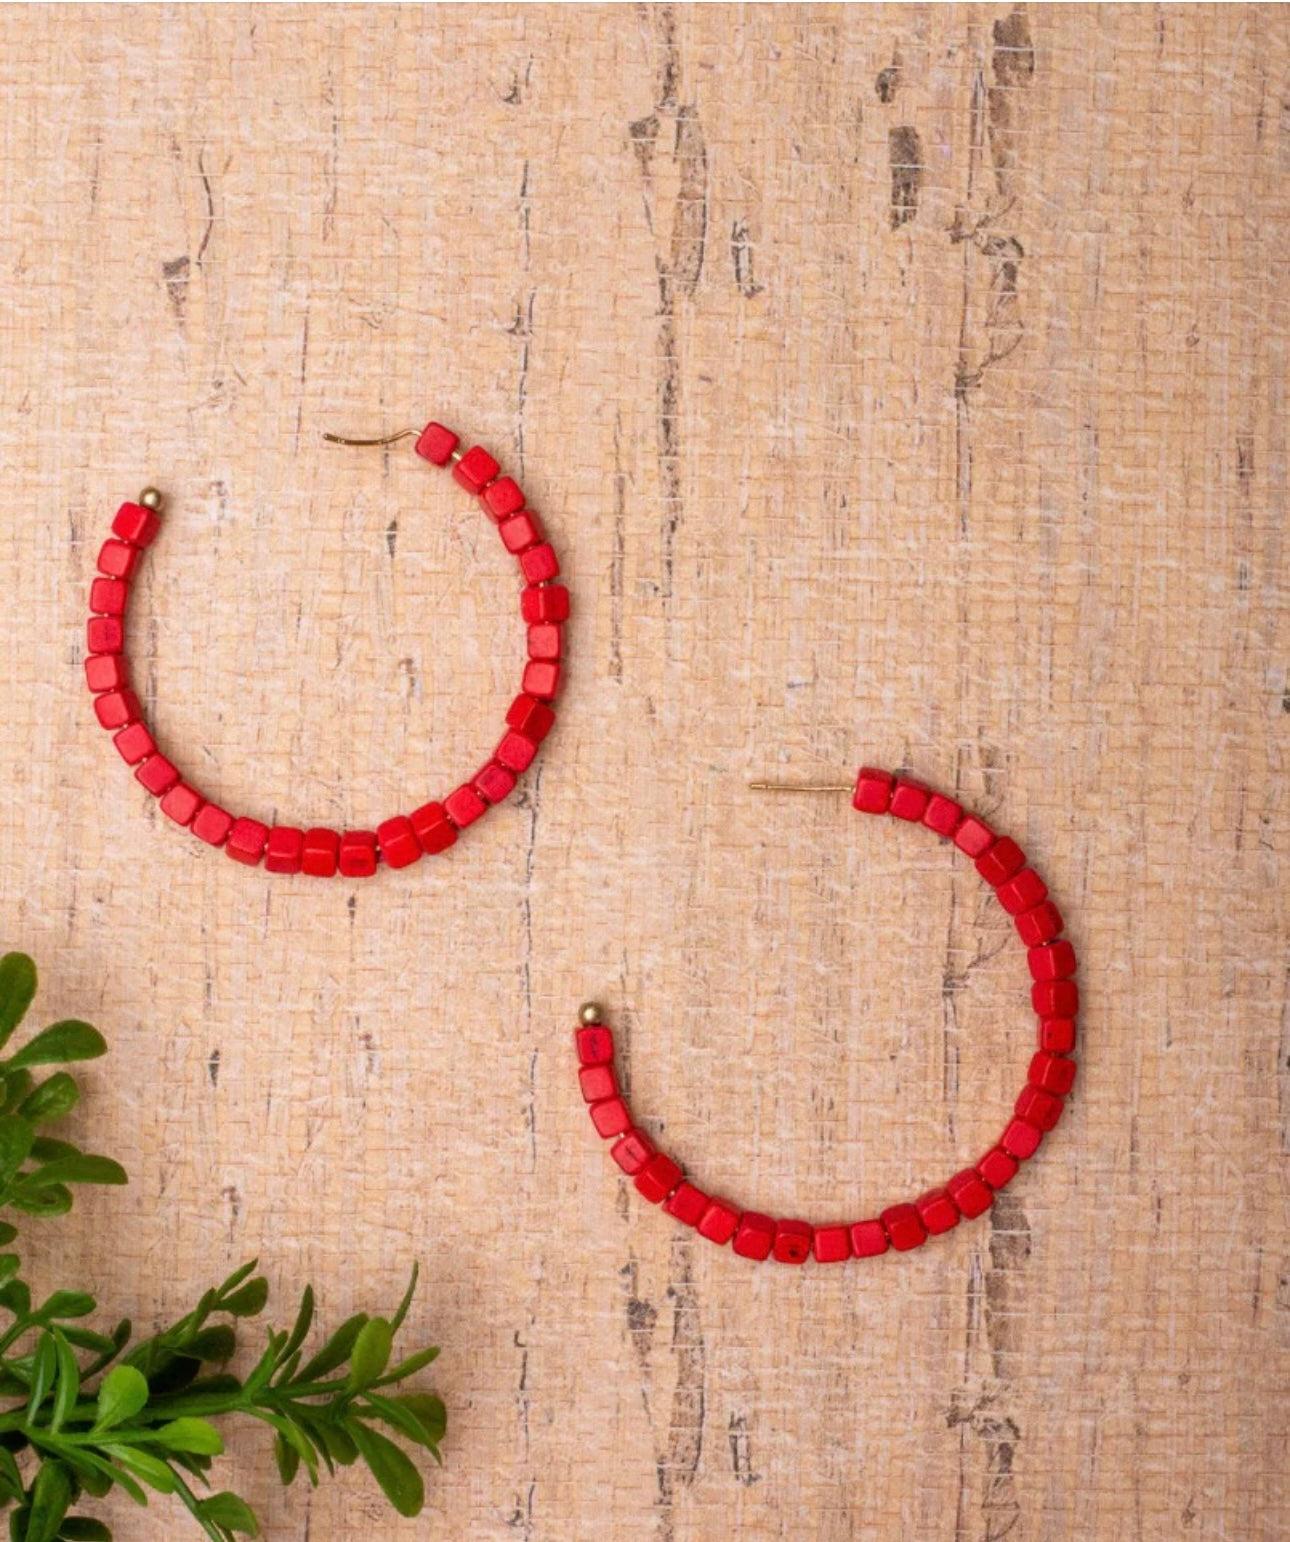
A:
[433,827]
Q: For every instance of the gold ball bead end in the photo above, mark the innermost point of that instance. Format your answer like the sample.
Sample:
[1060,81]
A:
[152,498]
[589,1014]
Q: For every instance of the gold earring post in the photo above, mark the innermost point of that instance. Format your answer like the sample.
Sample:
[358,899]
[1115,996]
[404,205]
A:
[800,786]
[403,433]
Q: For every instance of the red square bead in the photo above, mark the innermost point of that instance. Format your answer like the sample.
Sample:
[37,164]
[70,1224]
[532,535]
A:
[688,1204]
[633,1151]
[719,1222]
[1051,961]
[541,679]
[544,602]
[611,1117]
[1057,1034]
[539,564]
[284,852]
[755,1236]
[502,497]
[247,840]
[320,853]
[832,1244]
[909,800]
[545,640]
[997,1168]
[1054,1073]
[534,719]
[792,1243]
[118,559]
[108,596]
[211,824]
[436,444]
[104,634]
[515,752]
[1036,1106]
[520,531]
[972,837]
[157,775]
[495,782]
[106,672]
[136,524]
[937,1211]
[942,814]
[114,709]
[1021,1139]
[356,857]
[1051,998]
[181,803]
[904,1226]
[398,841]
[1023,892]
[868,1239]
[433,828]
[970,1192]
[598,1082]
[595,1045]
[873,790]
[134,743]
[1039,924]
[464,806]
[1004,860]
[475,470]
[658,1177]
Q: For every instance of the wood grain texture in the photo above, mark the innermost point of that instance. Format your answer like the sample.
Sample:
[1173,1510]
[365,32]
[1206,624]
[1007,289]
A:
[900,384]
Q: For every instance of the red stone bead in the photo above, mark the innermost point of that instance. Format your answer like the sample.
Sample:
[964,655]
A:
[436,444]
[970,1192]
[719,1222]
[544,602]
[285,850]
[181,803]
[904,1226]
[868,1239]
[598,1082]
[534,719]
[398,841]
[118,559]
[755,1236]
[792,1243]
[1023,892]
[495,782]
[520,531]
[108,596]
[942,814]
[688,1204]
[539,564]
[1021,1139]
[658,1177]
[104,634]
[937,1211]
[997,1168]
[114,709]
[433,828]
[515,752]
[157,774]
[832,1244]
[464,806]
[1039,924]
[247,840]
[1038,1107]
[611,1117]
[502,498]
[545,640]
[134,743]
[356,856]
[1002,861]
[541,679]
[320,853]
[972,837]
[211,824]
[106,672]
[475,470]
[1057,1034]
[633,1151]
[595,1045]
[909,800]
[1051,961]
[1054,1073]
[1050,998]
[136,524]
[873,790]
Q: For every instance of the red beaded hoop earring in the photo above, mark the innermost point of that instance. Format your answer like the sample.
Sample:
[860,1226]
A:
[1055,998]
[402,840]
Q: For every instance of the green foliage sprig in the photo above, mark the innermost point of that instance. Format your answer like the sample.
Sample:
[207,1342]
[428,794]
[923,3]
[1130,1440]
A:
[83,1411]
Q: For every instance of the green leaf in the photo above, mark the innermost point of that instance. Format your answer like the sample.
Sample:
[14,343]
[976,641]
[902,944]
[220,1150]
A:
[215,1345]
[400,1316]
[68,1387]
[7,1233]
[17,1085]
[51,1494]
[288,1460]
[82,1528]
[10,1478]
[54,1097]
[229,1511]
[122,1395]
[400,1481]
[17,987]
[338,1441]
[410,1366]
[249,1300]
[82,1168]
[15,1297]
[371,1352]
[429,1413]
[151,1469]
[67,1303]
[335,1351]
[10,1263]
[45,1148]
[44,1368]
[304,1319]
[55,1200]
[197,1437]
[59,1043]
[405,1420]
[242,1272]
[16,1136]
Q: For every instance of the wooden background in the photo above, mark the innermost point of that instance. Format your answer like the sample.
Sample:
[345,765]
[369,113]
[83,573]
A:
[904,385]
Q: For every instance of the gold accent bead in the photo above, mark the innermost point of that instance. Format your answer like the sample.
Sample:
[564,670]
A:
[152,498]
[589,1014]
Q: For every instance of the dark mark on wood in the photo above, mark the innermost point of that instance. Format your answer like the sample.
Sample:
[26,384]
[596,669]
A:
[391,535]
[175,273]
[888,81]
[905,154]
[741,252]
[741,1451]
[679,1461]
[212,1067]
[1013,63]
